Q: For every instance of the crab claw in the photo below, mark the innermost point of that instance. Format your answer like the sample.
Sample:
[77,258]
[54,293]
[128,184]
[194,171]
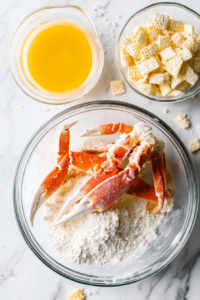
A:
[88,186]
[107,129]
[49,185]
[101,197]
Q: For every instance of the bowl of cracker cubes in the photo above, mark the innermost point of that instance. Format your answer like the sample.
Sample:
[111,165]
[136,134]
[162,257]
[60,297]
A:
[158,52]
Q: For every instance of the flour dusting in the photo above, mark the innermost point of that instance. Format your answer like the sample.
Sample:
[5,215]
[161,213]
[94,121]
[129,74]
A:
[99,238]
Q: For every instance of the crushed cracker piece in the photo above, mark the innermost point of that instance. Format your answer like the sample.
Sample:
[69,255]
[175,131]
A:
[174,65]
[160,21]
[77,295]
[148,89]
[142,38]
[185,54]
[189,29]
[176,81]
[159,78]
[194,63]
[180,118]
[191,44]
[117,87]
[126,58]
[153,35]
[167,53]
[177,26]
[148,51]
[185,123]
[165,89]
[163,42]
[134,73]
[188,74]
[194,145]
[148,66]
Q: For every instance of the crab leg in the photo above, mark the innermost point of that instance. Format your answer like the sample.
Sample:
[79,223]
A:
[108,129]
[64,141]
[158,169]
[49,185]
[109,191]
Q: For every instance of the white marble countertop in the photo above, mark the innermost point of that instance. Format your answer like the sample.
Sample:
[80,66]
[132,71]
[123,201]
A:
[22,275]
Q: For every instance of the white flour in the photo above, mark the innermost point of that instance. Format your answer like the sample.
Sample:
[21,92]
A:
[98,238]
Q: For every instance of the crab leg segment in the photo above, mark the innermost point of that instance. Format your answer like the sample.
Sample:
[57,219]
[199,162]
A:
[108,129]
[64,141]
[158,169]
[91,183]
[50,184]
[85,161]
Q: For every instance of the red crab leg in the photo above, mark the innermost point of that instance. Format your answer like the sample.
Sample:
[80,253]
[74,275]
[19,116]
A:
[109,191]
[101,149]
[64,141]
[108,129]
[158,169]
[49,185]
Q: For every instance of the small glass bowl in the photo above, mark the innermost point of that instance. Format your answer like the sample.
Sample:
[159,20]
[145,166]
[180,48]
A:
[39,157]
[178,12]
[69,13]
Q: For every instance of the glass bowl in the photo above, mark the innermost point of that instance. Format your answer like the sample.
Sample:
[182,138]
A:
[73,14]
[39,158]
[178,12]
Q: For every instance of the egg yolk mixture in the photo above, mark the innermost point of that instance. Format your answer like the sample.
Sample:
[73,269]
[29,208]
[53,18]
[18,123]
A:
[59,58]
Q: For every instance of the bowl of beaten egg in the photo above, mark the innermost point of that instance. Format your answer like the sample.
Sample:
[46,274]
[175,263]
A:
[55,55]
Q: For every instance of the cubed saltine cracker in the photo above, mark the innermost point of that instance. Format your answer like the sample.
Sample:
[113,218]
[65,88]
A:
[160,21]
[184,86]
[185,54]
[194,63]
[163,42]
[175,93]
[165,89]
[167,53]
[126,58]
[191,44]
[133,50]
[176,26]
[159,78]
[148,89]
[176,81]
[77,295]
[134,73]
[148,51]
[142,38]
[189,75]
[153,35]
[177,39]
[189,29]
[183,121]
[117,87]
[148,66]
[174,65]
[194,145]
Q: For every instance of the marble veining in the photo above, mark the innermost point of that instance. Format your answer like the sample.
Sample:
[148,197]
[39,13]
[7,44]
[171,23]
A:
[22,275]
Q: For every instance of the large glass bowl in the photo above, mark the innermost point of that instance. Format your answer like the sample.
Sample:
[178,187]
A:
[39,158]
[178,12]
[69,13]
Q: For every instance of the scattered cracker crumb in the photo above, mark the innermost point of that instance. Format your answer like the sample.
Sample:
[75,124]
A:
[46,108]
[77,295]
[114,24]
[117,87]
[98,6]
[194,145]
[195,96]
[183,121]
[106,19]
[94,9]
[100,14]
[166,110]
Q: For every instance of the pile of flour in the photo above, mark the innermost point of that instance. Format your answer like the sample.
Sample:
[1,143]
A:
[98,238]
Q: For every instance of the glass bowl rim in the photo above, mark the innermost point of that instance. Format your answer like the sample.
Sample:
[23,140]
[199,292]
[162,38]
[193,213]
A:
[184,7]
[20,216]
[84,91]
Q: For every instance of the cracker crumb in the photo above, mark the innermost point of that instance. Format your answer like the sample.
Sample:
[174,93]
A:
[117,87]
[100,14]
[166,110]
[194,145]
[114,24]
[77,295]
[183,121]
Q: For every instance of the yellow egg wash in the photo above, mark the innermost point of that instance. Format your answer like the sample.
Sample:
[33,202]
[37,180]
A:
[59,58]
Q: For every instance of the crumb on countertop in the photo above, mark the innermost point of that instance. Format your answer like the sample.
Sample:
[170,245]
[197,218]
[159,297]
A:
[77,295]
